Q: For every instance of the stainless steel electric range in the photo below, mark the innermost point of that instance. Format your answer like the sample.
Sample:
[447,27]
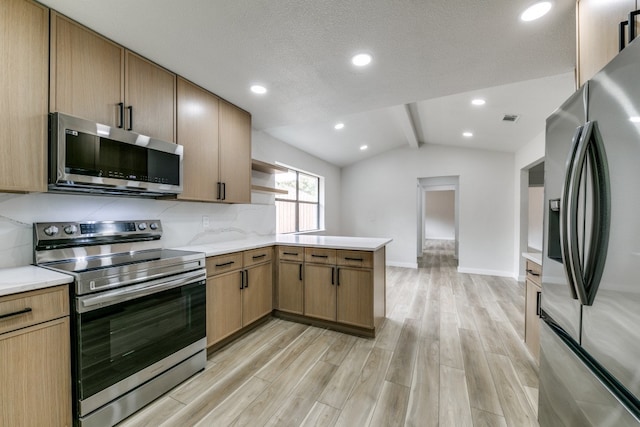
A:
[138,317]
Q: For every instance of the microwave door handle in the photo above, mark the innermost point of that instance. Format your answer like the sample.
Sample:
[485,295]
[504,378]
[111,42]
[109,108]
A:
[566,213]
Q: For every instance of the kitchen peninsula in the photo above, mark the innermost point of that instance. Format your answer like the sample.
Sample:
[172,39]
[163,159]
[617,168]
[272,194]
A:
[330,281]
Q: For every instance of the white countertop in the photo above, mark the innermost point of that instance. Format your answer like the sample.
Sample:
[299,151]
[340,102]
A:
[533,256]
[331,242]
[29,278]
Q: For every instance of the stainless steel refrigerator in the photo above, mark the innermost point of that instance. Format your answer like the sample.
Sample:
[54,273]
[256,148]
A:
[590,302]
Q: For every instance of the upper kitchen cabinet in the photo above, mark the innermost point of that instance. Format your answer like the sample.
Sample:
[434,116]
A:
[216,137]
[598,41]
[23,83]
[150,98]
[235,154]
[198,133]
[96,79]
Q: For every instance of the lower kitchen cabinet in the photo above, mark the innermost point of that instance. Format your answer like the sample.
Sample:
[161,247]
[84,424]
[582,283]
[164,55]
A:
[290,287]
[257,293]
[239,291]
[320,297]
[354,297]
[532,308]
[224,305]
[35,367]
[290,280]
[344,289]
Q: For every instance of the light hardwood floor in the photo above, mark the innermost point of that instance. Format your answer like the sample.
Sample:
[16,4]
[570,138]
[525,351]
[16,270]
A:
[450,353]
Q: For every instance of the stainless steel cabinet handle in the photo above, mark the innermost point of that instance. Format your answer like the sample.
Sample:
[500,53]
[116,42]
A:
[224,264]
[130,108]
[16,313]
[121,114]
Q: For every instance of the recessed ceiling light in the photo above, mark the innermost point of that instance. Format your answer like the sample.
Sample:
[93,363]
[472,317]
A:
[260,90]
[478,101]
[363,147]
[634,119]
[536,11]
[361,59]
[467,134]
[339,126]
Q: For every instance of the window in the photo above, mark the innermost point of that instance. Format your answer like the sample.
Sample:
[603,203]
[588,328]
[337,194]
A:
[299,209]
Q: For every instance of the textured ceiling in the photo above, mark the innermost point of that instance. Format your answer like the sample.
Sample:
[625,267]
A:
[300,50]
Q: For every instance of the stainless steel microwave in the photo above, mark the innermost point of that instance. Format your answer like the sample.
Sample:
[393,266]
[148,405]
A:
[89,157]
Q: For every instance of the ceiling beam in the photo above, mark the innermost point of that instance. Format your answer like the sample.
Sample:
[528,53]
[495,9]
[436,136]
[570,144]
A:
[406,118]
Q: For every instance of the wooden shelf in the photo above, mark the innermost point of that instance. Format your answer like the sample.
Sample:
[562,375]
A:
[261,189]
[265,167]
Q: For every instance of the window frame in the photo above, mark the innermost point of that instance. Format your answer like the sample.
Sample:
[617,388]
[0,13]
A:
[297,201]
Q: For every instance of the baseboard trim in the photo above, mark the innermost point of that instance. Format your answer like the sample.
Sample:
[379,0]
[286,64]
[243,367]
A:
[413,265]
[483,272]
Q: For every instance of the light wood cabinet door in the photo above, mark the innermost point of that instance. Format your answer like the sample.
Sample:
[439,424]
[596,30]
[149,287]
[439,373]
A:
[598,41]
[290,287]
[532,320]
[224,306]
[320,291]
[198,112]
[87,73]
[35,389]
[355,297]
[257,296]
[150,93]
[235,153]
[24,82]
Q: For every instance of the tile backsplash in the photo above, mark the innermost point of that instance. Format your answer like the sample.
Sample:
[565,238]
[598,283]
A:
[183,222]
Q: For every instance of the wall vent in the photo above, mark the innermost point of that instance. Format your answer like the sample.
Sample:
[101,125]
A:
[510,118]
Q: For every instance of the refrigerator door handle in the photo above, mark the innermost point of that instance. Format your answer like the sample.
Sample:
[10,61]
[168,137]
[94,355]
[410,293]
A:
[601,208]
[586,274]
[566,214]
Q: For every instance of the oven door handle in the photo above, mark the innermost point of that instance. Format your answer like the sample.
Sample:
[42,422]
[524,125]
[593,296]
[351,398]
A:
[105,299]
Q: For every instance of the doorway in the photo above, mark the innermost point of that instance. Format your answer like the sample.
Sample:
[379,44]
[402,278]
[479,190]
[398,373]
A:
[438,213]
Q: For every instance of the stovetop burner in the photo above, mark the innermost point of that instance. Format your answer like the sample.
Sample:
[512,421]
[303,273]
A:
[103,255]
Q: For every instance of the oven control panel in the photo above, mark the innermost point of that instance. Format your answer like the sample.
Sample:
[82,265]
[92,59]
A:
[98,230]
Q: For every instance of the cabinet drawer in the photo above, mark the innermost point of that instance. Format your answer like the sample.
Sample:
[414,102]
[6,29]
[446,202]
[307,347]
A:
[257,256]
[29,308]
[291,253]
[534,271]
[320,256]
[355,259]
[224,263]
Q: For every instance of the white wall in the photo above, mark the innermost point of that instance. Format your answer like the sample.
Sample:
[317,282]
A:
[379,199]
[272,150]
[536,218]
[182,221]
[439,215]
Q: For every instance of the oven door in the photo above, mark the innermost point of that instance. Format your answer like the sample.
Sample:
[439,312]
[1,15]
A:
[128,336]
